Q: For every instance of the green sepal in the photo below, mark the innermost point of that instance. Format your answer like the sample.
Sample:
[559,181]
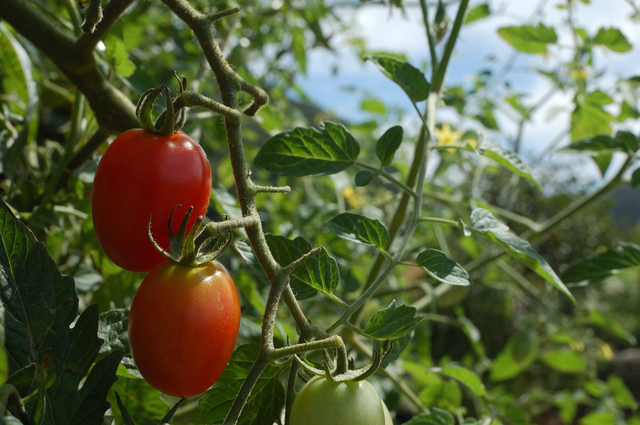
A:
[193,248]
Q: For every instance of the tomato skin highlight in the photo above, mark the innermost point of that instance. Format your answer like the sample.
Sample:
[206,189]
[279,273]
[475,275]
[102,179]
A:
[183,326]
[142,174]
[322,402]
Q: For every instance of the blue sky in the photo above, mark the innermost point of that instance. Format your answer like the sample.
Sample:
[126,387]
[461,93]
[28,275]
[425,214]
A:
[390,31]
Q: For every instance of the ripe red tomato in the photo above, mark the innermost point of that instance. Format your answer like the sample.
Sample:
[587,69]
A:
[141,174]
[183,326]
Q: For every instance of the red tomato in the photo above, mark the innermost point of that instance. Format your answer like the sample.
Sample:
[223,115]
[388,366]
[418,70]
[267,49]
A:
[141,174]
[183,326]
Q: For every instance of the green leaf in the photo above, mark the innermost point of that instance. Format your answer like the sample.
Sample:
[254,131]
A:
[478,12]
[508,159]
[94,391]
[609,324]
[621,394]
[308,152]
[140,400]
[373,105]
[264,403]
[598,417]
[483,222]
[529,39]
[409,78]
[635,178]
[393,322]
[589,119]
[443,268]
[436,417]
[318,273]
[360,229]
[117,54]
[623,142]
[518,354]
[465,376]
[364,177]
[40,306]
[612,39]
[565,360]
[388,144]
[399,346]
[600,266]
[113,329]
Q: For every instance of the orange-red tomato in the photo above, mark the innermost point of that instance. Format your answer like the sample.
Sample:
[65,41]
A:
[183,326]
[141,174]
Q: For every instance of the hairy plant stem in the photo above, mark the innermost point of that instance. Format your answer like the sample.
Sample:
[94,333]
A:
[230,83]
[439,73]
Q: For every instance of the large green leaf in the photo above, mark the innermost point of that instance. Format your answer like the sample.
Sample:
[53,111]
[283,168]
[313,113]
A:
[393,322]
[623,256]
[318,273]
[508,159]
[408,77]
[265,402]
[360,229]
[484,223]
[612,39]
[309,152]
[529,39]
[443,268]
[589,117]
[40,305]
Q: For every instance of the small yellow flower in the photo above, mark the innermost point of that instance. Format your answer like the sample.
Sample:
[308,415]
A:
[354,197]
[446,136]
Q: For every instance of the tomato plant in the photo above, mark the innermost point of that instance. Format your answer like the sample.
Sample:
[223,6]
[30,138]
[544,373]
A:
[143,174]
[183,326]
[322,402]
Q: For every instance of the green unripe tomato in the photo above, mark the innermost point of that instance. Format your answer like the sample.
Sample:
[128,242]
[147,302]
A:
[322,402]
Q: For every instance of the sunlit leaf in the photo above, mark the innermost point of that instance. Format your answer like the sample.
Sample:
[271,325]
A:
[564,360]
[529,39]
[518,354]
[508,159]
[359,229]
[393,322]
[465,376]
[308,152]
[483,222]
[318,273]
[612,39]
[443,268]
[477,12]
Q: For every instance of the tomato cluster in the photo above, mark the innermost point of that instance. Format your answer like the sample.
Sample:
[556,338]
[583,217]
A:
[184,321]
[323,402]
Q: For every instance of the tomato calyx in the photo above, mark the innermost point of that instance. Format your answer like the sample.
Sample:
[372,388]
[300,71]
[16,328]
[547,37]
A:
[342,369]
[196,247]
[171,120]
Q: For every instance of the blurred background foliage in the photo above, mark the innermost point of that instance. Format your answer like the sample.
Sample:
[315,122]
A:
[541,359]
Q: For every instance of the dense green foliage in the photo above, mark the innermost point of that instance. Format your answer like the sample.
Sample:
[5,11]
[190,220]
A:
[508,285]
